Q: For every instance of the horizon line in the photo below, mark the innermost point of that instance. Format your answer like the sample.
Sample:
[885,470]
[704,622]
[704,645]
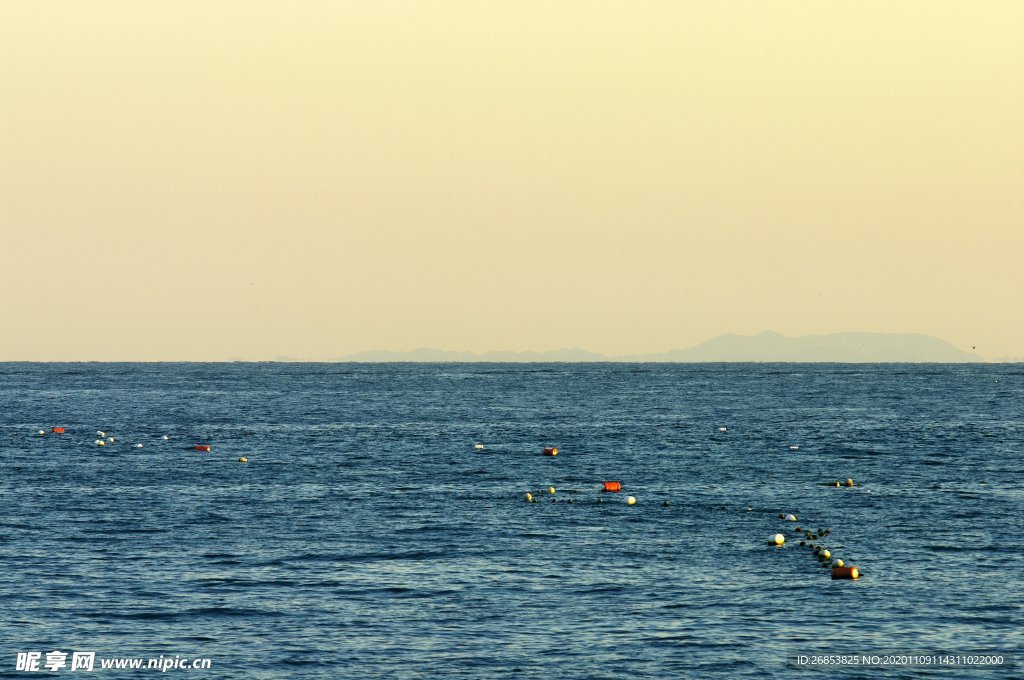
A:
[1001,360]
[761,347]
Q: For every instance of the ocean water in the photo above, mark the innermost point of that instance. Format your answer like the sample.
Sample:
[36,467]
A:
[367,537]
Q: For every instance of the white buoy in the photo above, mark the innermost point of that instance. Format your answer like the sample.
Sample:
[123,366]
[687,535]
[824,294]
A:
[478,447]
[790,518]
[100,442]
[723,429]
[110,439]
[138,446]
[164,437]
[794,447]
[630,501]
[42,433]
[778,539]
[101,433]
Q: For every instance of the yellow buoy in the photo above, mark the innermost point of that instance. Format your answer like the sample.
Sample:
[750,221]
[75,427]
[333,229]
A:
[778,539]
[528,497]
[551,489]
[243,460]
[790,518]
[630,501]
[838,563]
[849,482]
[825,554]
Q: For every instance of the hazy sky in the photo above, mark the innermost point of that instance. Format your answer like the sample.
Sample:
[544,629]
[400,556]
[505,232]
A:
[203,179]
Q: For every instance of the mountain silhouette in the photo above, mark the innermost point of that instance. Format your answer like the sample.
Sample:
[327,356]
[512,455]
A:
[763,347]
[834,347]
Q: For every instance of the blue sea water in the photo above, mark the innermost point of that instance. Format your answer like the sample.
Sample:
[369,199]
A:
[367,537]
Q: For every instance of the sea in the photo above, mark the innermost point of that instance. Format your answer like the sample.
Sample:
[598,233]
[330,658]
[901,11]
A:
[380,527]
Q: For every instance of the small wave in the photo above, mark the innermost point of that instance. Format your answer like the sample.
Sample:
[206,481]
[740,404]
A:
[966,548]
[677,639]
[146,616]
[359,557]
[232,612]
[609,588]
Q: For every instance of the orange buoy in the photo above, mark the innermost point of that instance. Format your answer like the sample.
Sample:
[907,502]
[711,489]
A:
[613,487]
[57,430]
[204,447]
[846,572]
[551,451]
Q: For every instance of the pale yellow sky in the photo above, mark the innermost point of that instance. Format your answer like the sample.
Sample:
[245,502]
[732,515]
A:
[210,179]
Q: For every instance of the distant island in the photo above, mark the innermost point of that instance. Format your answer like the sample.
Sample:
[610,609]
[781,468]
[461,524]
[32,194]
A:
[427,354]
[764,347]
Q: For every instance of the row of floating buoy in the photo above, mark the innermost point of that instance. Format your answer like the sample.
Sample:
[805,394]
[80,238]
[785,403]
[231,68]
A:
[605,487]
[839,568]
[553,450]
[207,448]
[533,498]
[104,439]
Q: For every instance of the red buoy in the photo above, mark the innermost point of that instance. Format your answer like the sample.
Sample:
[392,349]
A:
[57,430]
[204,447]
[551,451]
[613,487]
[846,572]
